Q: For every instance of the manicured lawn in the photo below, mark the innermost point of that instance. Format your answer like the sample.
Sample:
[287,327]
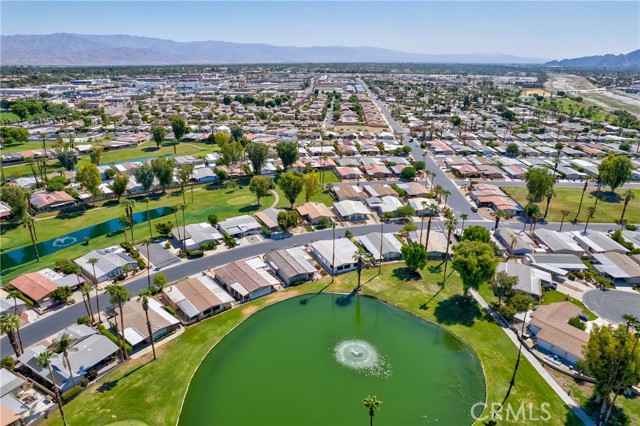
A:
[572,107]
[608,210]
[553,296]
[8,117]
[151,392]
[320,197]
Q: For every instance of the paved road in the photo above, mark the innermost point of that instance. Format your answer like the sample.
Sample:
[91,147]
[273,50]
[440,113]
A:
[613,304]
[561,184]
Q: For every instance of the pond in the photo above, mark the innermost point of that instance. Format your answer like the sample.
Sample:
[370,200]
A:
[27,254]
[311,360]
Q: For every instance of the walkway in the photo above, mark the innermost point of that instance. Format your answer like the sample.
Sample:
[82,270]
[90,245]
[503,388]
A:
[277,198]
[536,364]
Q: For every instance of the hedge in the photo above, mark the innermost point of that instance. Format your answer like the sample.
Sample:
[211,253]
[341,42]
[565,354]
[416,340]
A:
[71,393]
[109,335]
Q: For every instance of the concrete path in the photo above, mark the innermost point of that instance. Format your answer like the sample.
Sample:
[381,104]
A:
[536,364]
[277,198]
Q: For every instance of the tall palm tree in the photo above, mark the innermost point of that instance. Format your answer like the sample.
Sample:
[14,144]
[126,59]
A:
[124,222]
[438,191]
[143,297]
[64,346]
[146,200]
[498,214]
[564,212]
[147,242]
[424,210]
[15,295]
[183,207]
[359,256]
[433,210]
[86,292]
[464,217]
[129,205]
[591,209]
[372,403]
[118,295]
[29,222]
[550,194]
[628,196]
[93,262]
[10,324]
[450,224]
[175,213]
[584,189]
[445,193]
[44,360]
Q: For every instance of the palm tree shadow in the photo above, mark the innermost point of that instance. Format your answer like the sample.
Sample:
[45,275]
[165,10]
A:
[345,300]
[425,305]
[111,384]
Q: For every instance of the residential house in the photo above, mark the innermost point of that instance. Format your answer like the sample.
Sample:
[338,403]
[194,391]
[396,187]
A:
[44,201]
[136,332]
[385,245]
[245,279]
[557,242]
[36,287]
[558,265]
[240,226]
[196,234]
[620,268]
[530,280]
[313,212]
[346,173]
[414,189]
[111,262]
[349,210]
[292,265]
[597,242]
[436,245]
[269,218]
[349,192]
[12,409]
[335,262]
[10,305]
[197,298]
[517,243]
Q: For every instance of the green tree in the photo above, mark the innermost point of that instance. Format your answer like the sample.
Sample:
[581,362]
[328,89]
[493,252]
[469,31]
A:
[257,154]
[539,183]
[164,228]
[88,177]
[179,127]
[68,159]
[513,150]
[311,185]
[502,285]
[10,325]
[415,256]
[119,185]
[185,173]
[129,205]
[615,170]
[163,170]
[372,404]
[291,184]
[408,173]
[232,154]
[144,176]
[63,346]
[476,263]
[628,196]
[236,132]
[159,134]
[260,186]
[96,154]
[61,294]
[143,297]
[119,295]
[288,220]
[288,153]
[221,138]
[476,233]
[520,302]
[85,290]
[564,212]
[44,360]
[16,197]
[30,223]
[159,280]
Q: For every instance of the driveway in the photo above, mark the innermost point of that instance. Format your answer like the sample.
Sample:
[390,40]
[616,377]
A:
[613,304]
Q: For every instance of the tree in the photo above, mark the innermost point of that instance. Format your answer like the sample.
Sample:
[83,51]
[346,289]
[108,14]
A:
[476,263]
[159,134]
[144,176]
[96,154]
[502,285]
[257,154]
[564,212]
[415,256]
[16,197]
[311,185]
[159,280]
[63,346]
[288,153]
[179,127]
[143,297]
[236,132]
[119,185]
[10,325]
[86,293]
[456,121]
[260,186]
[520,302]
[44,360]
[497,214]
[68,159]
[615,170]
[291,184]
[550,194]
[539,183]
[212,219]
[408,173]
[450,223]
[359,257]
[288,220]
[372,404]
[628,196]
[164,228]
[584,189]
[92,261]
[513,150]
[61,294]
[185,173]
[464,217]
[163,170]
[129,205]
[221,138]
[476,233]
[30,223]
[231,154]
[15,295]
[591,210]
[88,177]
[119,295]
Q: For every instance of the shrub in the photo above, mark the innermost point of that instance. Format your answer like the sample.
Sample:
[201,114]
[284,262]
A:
[408,173]
[126,246]
[348,234]
[61,294]
[401,192]
[71,393]
[73,193]
[84,382]
[631,227]
[171,310]
[195,253]
[212,219]
[229,240]
[164,228]
[266,231]
[85,241]
[507,312]
[91,374]
[109,335]
[7,362]
[211,245]
[577,323]
[83,320]
[323,222]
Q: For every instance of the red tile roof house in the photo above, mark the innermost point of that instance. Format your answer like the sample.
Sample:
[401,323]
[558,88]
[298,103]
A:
[36,287]
[46,201]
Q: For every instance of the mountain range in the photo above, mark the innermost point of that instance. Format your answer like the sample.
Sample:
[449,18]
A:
[629,60]
[64,49]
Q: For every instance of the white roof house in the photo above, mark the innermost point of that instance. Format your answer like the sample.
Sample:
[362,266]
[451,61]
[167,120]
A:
[240,226]
[110,263]
[597,242]
[391,247]
[335,262]
[530,279]
[352,210]
[196,234]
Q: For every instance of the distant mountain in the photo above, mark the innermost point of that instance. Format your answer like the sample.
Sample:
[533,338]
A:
[65,49]
[630,60]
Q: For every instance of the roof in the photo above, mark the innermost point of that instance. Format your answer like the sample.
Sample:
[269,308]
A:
[349,207]
[45,198]
[9,381]
[136,322]
[269,217]
[314,210]
[345,250]
[239,224]
[195,295]
[109,259]
[553,321]
[34,286]
[197,233]
[529,279]
[291,262]
[598,242]
[616,265]
[372,243]
[567,262]
[247,275]
[557,241]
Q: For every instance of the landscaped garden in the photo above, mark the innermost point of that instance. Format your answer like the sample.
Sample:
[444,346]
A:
[151,392]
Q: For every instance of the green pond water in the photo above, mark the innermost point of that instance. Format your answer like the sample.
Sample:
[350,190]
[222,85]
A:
[310,360]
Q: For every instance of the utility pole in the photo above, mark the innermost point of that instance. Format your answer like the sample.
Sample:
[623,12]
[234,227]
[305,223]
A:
[381,236]
[333,260]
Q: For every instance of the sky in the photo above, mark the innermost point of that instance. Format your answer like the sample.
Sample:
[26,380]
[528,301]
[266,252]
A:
[549,30]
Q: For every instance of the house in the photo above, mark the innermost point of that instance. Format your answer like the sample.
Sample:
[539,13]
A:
[597,242]
[269,218]
[530,280]
[110,263]
[338,261]
[349,192]
[44,201]
[292,265]
[385,245]
[345,173]
[197,298]
[421,205]
[436,244]
[245,279]
[414,189]
[553,334]
[90,351]
[135,321]
[240,226]
[379,190]
[517,243]
[352,210]
[385,205]
[557,242]
[204,175]
[620,268]
[196,234]
[5,210]
[12,409]
[313,212]
[377,171]
[558,265]
[36,287]
[11,305]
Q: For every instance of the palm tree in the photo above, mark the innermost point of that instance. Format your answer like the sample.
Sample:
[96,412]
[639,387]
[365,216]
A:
[464,217]
[550,194]
[450,224]
[147,242]
[536,218]
[10,324]
[372,403]
[146,200]
[64,346]
[118,295]
[498,214]
[93,262]
[29,222]
[438,191]
[433,210]
[359,256]
[86,292]
[183,207]
[584,189]
[15,295]
[124,221]
[564,212]
[445,193]
[44,360]
[143,297]
[591,209]
[129,205]
[424,209]
[628,196]
[175,213]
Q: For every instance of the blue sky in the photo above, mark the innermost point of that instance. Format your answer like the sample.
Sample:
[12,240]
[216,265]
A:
[532,29]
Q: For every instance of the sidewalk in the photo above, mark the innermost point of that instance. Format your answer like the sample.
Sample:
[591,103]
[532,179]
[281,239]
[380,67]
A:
[536,364]
[158,344]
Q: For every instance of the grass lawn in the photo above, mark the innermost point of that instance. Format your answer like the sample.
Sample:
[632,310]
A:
[553,296]
[151,392]
[572,107]
[320,197]
[8,117]
[145,150]
[608,210]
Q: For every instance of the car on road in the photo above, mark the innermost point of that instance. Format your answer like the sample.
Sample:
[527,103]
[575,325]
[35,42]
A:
[474,209]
